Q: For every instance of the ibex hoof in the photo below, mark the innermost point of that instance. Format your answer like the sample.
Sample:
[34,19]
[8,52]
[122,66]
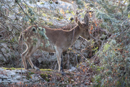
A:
[63,73]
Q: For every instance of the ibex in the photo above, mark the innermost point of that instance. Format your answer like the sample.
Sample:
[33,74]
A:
[52,40]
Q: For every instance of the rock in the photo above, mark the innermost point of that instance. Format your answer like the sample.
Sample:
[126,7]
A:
[4,45]
[6,52]
[18,77]
[47,5]
[3,77]
[1,69]
[2,58]
[40,60]
[21,71]
[34,77]
[72,69]
[77,44]
[10,73]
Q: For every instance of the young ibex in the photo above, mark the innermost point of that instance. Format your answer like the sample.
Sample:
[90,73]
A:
[51,40]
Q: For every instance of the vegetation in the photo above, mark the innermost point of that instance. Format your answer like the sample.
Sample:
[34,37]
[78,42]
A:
[114,56]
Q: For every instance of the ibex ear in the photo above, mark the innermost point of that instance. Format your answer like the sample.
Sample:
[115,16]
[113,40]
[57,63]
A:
[86,19]
[79,24]
[76,20]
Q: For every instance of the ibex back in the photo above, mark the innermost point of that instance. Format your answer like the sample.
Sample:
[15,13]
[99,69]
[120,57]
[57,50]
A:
[51,40]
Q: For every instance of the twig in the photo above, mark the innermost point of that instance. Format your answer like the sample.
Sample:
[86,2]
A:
[24,11]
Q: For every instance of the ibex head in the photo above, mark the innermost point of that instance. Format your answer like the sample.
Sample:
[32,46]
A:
[31,33]
[84,27]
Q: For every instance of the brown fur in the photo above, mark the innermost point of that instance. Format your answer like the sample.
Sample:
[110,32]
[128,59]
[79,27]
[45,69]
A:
[59,40]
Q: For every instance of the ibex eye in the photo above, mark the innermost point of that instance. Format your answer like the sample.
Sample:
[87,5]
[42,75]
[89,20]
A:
[33,29]
[71,19]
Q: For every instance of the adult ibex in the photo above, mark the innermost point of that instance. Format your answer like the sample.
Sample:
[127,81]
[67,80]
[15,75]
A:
[51,40]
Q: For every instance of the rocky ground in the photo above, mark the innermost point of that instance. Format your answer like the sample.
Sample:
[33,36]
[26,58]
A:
[14,76]
[19,77]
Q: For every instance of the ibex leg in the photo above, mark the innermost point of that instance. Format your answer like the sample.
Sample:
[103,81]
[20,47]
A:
[62,64]
[24,54]
[58,54]
[31,51]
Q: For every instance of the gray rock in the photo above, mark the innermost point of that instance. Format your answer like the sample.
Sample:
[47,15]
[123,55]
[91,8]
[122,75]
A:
[1,69]
[2,58]
[21,71]
[18,77]
[77,44]
[34,77]
[10,73]
[72,69]
[3,77]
